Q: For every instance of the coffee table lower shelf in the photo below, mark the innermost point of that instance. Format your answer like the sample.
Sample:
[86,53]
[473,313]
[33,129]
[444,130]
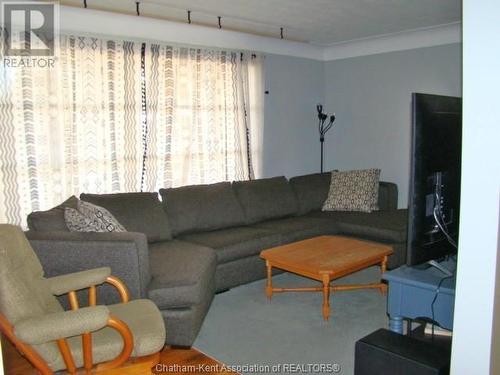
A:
[312,258]
[326,288]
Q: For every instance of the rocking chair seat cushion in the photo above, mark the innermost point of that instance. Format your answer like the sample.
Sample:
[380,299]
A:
[142,317]
[146,323]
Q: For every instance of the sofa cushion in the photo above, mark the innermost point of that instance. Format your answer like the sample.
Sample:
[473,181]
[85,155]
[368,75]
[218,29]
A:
[299,228]
[311,191]
[235,243]
[53,219]
[181,273]
[269,198]
[387,196]
[378,225]
[137,212]
[355,190]
[202,207]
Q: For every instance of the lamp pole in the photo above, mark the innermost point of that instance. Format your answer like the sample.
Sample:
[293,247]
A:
[323,129]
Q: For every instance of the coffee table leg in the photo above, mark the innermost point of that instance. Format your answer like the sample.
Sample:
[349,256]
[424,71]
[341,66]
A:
[383,268]
[269,284]
[326,297]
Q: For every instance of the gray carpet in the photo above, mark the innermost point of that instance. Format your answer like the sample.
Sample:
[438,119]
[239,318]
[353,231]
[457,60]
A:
[244,328]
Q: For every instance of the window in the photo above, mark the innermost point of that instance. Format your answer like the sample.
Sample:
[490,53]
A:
[124,116]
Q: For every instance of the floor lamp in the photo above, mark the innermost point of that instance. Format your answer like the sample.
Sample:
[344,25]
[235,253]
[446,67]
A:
[322,128]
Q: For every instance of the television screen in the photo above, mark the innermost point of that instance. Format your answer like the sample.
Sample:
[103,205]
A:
[434,197]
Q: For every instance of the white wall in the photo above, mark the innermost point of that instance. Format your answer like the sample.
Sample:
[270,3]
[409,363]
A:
[79,20]
[291,141]
[495,341]
[371,96]
[479,220]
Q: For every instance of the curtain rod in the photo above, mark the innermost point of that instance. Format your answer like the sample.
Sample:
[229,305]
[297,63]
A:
[279,29]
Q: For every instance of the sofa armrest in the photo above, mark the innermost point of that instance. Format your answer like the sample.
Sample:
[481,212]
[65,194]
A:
[126,253]
[60,325]
[387,196]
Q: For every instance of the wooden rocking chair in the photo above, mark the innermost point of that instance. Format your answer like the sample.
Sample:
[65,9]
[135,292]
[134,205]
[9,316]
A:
[52,339]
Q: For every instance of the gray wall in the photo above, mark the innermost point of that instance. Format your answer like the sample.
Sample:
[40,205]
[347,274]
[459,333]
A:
[371,96]
[290,141]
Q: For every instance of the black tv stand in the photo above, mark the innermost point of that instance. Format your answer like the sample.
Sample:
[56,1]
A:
[386,352]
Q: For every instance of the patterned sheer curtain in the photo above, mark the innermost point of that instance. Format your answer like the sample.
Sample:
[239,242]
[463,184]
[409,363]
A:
[198,121]
[118,116]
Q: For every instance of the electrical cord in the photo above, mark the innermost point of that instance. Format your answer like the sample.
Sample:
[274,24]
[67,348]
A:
[445,232]
[439,219]
[442,226]
[434,301]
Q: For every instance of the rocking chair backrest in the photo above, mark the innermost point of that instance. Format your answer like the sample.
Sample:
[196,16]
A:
[24,291]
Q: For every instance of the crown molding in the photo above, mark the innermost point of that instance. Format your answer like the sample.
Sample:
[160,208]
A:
[419,38]
[91,21]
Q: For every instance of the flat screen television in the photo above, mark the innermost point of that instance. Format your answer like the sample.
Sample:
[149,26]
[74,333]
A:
[434,196]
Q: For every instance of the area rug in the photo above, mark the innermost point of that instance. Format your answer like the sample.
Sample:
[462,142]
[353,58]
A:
[287,334]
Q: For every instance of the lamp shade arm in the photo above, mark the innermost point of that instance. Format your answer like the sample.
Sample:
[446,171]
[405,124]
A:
[328,127]
[322,129]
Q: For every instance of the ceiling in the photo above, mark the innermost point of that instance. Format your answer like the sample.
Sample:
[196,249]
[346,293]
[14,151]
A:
[321,22]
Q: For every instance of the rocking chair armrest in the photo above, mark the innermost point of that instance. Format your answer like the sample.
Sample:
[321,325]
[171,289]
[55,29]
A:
[60,325]
[79,280]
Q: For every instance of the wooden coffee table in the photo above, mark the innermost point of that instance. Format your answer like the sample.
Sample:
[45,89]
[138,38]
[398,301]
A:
[326,258]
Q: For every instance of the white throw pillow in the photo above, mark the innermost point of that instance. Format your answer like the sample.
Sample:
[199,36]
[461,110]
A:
[353,191]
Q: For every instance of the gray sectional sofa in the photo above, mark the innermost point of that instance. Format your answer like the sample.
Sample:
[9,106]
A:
[203,239]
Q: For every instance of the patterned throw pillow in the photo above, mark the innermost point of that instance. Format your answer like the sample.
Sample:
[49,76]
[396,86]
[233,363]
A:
[91,218]
[353,191]
[77,222]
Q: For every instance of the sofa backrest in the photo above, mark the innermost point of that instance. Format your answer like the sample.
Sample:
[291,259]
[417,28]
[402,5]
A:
[264,199]
[137,212]
[51,220]
[199,208]
[387,196]
[312,190]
